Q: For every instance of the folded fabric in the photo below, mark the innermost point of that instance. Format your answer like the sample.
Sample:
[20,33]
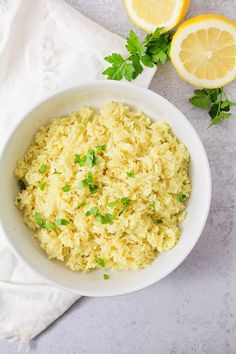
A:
[45,46]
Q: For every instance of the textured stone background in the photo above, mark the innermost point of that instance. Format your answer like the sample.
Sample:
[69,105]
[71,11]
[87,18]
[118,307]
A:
[194,309]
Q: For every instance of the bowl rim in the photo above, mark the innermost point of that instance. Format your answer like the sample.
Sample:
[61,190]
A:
[94,83]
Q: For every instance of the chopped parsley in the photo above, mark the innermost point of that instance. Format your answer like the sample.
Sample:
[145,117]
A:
[103,219]
[43,169]
[112,204]
[101,147]
[41,185]
[93,189]
[181,197]
[125,201]
[41,222]
[21,184]
[56,172]
[100,261]
[59,222]
[82,184]
[159,221]
[89,160]
[92,211]
[39,219]
[50,225]
[106,276]
[131,174]
[66,188]
[89,181]
[18,200]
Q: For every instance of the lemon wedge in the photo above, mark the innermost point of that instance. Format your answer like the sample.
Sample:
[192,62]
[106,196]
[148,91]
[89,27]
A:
[203,50]
[150,14]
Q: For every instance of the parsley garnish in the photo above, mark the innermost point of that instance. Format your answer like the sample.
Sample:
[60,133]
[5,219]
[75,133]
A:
[181,197]
[59,222]
[131,174]
[215,101]
[21,184]
[56,172]
[103,219]
[92,211]
[41,222]
[39,219]
[101,147]
[125,202]
[106,276]
[154,49]
[18,200]
[43,169]
[41,185]
[100,261]
[112,204]
[66,188]
[89,160]
[159,221]
[50,225]
[89,181]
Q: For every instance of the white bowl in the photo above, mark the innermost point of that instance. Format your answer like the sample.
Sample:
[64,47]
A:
[95,94]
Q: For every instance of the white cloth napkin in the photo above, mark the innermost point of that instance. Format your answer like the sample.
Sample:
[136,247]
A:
[45,46]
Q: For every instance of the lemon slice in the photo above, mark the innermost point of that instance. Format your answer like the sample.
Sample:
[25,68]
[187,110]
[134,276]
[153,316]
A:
[203,51]
[150,14]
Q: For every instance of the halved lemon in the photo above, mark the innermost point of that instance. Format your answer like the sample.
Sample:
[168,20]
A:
[203,50]
[150,14]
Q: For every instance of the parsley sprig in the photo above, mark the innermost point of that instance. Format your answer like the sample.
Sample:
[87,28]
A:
[215,101]
[154,49]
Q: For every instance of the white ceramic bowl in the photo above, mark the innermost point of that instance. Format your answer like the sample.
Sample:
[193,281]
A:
[95,94]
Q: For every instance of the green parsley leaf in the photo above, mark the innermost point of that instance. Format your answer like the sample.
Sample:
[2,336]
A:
[216,101]
[101,147]
[93,189]
[39,219]
[59,222]
[66,188]
[50,225]
[93,211]
[90,179]
[125,201]
[77,159]
[106,276]
[101,262]
[91,158]
[112,204]
[159,221]
[18,200]
[21,184]
[201,101]
[56,172]
[181,197]
[133,44]
[82,184]
[105,219]
[41,185]
[131,174]
[43,169]
[121,212]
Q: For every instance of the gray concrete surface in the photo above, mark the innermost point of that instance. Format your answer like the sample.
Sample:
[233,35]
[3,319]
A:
[194,309]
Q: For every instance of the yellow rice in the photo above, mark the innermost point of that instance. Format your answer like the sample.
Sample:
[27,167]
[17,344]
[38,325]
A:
[159,163]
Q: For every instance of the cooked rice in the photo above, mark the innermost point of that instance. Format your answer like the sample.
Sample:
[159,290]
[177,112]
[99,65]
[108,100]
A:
[149,224]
